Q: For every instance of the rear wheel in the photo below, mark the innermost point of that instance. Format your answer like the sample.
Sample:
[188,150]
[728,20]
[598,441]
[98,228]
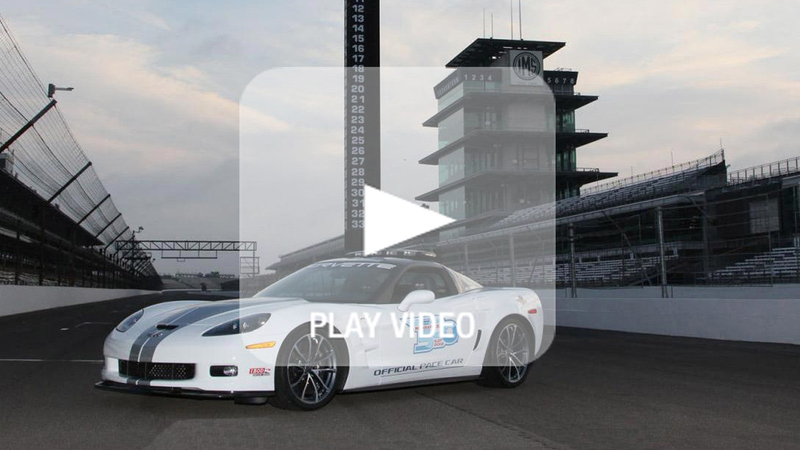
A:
[509,354]
[311,370]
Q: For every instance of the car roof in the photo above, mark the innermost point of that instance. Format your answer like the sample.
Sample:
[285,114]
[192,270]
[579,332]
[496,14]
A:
[384,259]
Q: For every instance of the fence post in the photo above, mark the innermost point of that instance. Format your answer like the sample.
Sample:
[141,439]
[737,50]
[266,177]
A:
[41,244]
[73,249]
[771,257]
[466,259]
[115,271]
[573,277]
[513,259]
[796,243]
[662,258]
[706,244]
[18,265]
[59,256]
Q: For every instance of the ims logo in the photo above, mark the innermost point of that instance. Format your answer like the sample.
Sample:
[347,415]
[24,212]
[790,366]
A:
[527,67]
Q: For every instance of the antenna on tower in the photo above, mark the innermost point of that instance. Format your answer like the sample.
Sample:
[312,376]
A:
[484,22]
[520,20]
[492,25]
[511,10]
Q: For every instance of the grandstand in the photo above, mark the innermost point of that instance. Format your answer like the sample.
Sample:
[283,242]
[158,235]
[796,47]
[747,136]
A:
[691,176]
[777,265]
[691,223]
[718,228]
[57,221]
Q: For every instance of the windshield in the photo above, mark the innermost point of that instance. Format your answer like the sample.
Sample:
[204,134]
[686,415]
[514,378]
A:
[334,282]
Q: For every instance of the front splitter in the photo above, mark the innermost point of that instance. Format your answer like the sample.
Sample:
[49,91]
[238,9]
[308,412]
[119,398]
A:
[180,392]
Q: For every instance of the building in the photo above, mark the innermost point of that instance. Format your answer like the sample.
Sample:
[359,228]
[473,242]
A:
[502,136]
[687,224]
[694,223]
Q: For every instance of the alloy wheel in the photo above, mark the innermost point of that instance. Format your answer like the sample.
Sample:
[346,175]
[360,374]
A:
[512,352]
[311,369]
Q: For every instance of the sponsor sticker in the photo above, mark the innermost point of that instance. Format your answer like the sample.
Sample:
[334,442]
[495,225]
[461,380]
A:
[423,367]
[260,371]
[433,332]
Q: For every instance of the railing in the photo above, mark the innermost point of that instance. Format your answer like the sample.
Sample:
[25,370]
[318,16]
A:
[501,126]
[764,171]
[708,161]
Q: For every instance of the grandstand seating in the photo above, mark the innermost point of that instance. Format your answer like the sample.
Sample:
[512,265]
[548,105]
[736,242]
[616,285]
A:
[780,264]
[589,270]
[684,178]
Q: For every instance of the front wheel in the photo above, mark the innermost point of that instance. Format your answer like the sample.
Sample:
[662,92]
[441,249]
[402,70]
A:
[508,355]
[311,370]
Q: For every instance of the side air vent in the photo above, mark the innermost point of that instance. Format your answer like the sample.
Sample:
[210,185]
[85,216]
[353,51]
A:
[477,340]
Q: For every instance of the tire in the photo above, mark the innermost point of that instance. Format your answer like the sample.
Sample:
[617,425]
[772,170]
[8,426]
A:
[310,370]
[505,368]
[250,401]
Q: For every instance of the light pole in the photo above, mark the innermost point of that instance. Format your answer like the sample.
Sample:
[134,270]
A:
[51,90]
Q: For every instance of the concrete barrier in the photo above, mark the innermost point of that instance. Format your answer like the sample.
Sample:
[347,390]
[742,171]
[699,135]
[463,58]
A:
[763,314]
[22,299]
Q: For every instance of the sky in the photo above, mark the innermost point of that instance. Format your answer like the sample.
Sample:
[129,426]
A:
[158,85]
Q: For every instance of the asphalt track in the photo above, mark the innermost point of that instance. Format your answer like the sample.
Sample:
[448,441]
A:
[592,390]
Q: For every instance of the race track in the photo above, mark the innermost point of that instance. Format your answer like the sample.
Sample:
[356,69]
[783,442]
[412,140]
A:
[592,390]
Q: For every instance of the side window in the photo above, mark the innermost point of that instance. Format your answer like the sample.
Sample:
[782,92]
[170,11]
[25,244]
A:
[431,279]
[465,283]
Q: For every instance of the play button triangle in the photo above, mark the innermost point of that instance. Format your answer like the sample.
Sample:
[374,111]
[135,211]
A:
[389,220]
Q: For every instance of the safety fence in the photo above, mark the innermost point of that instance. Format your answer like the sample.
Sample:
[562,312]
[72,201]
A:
[57,220]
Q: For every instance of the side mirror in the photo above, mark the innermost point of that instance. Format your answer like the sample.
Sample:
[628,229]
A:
[416,297]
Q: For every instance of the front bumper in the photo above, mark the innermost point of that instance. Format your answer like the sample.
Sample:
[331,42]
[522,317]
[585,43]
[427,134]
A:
[255,367]
[178,392]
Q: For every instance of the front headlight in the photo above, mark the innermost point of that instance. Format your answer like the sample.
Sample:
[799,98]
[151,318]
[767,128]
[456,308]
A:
[239,326]
[126,324]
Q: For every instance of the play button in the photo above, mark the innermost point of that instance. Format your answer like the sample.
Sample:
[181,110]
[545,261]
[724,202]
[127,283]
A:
[389,220]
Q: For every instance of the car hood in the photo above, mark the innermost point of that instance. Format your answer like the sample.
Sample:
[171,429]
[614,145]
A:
[212,313]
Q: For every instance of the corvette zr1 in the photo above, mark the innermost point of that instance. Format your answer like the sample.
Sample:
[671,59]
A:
[345,324]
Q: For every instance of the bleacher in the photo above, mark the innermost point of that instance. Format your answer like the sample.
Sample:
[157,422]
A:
[690,176]
[27,276]
[779,265]
[591,269]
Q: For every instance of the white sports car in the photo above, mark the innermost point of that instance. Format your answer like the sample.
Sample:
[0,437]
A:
[345,324]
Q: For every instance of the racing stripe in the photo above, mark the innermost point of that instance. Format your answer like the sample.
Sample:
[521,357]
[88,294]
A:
[145,345]
[136,348]
[193,316]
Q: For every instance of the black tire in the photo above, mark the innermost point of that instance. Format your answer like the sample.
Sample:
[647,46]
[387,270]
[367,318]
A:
[300,385]
[251,401]
[500,371]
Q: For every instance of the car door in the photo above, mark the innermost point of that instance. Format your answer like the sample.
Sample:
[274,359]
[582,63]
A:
[431,340]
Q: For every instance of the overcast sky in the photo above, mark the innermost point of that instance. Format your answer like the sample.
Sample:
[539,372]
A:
[157,89]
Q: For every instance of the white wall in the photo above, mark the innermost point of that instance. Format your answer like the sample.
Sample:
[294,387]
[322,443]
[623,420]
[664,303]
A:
[757,314]
[21,299]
